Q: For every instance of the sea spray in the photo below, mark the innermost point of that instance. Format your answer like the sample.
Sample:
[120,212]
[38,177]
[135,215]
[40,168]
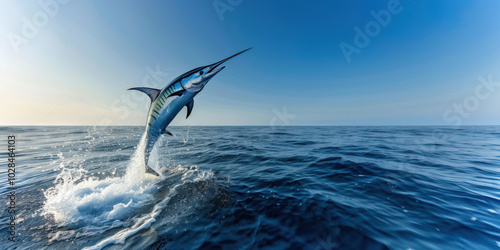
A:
[115,208]
[77,199]
[191,174]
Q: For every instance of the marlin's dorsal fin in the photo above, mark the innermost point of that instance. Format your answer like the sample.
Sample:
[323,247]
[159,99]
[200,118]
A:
[152,93]
[189,106]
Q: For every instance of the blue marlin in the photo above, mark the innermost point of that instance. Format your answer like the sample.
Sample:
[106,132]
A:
[183,89]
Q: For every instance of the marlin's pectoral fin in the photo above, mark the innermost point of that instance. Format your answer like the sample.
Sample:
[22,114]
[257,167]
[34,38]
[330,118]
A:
[166,132]
[152,93]
[178,93]
[189,107]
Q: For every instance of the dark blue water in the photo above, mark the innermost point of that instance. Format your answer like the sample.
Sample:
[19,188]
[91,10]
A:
[257,187]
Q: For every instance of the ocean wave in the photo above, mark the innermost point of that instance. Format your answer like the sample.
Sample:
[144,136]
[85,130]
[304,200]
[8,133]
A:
[259,187]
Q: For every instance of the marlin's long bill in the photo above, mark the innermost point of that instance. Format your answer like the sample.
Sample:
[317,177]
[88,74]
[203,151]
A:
[183,88]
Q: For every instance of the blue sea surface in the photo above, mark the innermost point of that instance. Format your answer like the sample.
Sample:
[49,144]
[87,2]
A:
[256,187]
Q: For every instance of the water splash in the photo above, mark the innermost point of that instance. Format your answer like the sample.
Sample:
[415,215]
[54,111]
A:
[189,175]
[77,200]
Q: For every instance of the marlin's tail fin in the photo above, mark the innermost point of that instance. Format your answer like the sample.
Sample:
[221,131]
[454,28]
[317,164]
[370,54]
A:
[150,170]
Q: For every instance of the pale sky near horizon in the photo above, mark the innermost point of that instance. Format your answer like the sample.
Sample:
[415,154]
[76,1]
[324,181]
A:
[422,64]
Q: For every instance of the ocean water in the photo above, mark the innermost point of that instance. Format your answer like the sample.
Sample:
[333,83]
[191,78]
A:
[256,187]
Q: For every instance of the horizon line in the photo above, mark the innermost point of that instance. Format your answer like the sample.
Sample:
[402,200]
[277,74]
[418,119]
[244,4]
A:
[280,126]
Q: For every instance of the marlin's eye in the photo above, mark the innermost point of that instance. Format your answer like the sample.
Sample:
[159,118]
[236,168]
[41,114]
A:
[201,72]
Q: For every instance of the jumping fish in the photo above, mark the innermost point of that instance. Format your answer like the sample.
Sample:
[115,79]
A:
[183,88]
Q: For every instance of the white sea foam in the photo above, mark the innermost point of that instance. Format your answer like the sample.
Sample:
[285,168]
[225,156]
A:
[191,174]
[78,201]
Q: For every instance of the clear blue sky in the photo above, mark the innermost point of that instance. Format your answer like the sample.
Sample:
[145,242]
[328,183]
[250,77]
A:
[75,67]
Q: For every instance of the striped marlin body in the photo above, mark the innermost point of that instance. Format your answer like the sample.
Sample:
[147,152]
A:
[183,89]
